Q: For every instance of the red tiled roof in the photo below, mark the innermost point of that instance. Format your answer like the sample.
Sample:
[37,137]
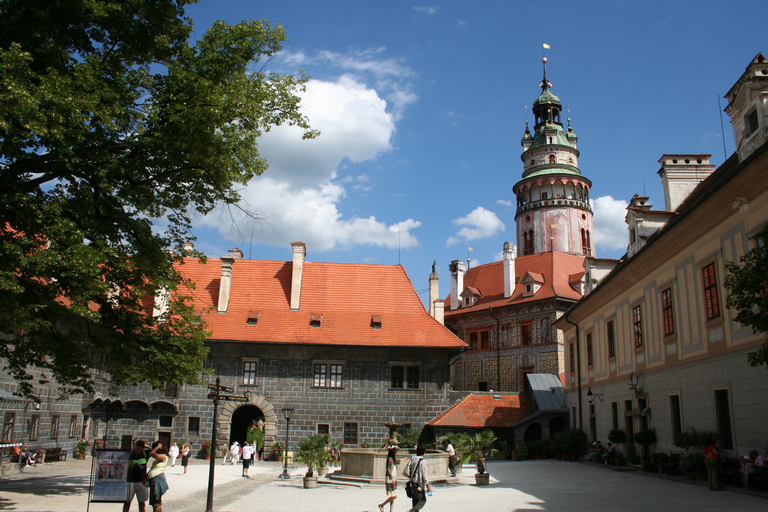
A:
[555,267]
[348,296]
[485,411]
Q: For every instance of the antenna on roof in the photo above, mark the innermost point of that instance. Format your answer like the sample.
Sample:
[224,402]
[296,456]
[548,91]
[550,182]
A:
[722,130]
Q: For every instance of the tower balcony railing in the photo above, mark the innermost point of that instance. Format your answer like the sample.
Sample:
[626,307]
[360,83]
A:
[556,201]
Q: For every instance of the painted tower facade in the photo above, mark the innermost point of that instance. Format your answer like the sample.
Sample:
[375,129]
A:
[553,212]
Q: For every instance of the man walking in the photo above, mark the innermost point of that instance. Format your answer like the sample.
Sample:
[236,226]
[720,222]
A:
[451,451]
[420,478]
[137,475]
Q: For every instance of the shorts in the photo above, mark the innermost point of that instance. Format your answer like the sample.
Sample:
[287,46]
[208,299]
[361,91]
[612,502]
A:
[138,489]
[246,463]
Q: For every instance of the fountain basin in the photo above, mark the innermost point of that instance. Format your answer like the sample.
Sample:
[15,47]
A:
[369,465]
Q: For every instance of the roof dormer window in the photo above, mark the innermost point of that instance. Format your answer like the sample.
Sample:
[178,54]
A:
[253,317]
[531,283]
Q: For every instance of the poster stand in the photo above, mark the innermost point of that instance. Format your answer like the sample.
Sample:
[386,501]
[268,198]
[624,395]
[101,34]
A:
[109,477]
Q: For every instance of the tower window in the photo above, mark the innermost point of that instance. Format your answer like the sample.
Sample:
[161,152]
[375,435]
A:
[552,159]
[751,123]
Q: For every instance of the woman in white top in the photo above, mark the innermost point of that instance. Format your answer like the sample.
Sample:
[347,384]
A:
[156,476]
[247,454]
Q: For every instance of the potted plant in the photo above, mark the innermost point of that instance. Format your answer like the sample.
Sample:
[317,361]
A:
[207,449]
[476,448]
[312,452]
[617,436]
[646,438]
[277,448]
[82,448]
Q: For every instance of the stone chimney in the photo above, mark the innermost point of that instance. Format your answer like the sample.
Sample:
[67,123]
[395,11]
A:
[680,174]
[509,269]
[161,302]
[457,283]
[434,290]
[225,285]
[299,254]
[187,247]
[439,306]
[236,254]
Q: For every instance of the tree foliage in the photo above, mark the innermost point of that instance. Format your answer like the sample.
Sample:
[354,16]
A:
[115,126]
[747,283]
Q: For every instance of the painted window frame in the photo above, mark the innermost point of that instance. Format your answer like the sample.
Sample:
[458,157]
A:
[637,325]
[55,422]
[610,337]
[191,432]
[710,291]
[408,376]
[328,374]
[667,312]
[249,376]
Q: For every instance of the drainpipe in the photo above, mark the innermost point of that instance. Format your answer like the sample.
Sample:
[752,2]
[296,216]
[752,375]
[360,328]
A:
[498,351]
[578,368]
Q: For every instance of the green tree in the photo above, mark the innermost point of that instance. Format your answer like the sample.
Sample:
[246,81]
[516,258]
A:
[747,283]
[115,126]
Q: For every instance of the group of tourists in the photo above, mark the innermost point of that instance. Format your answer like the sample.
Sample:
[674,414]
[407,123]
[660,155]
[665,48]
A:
[147,483]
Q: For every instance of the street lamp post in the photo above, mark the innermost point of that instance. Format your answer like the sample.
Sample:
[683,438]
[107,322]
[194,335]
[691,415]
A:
[287,412]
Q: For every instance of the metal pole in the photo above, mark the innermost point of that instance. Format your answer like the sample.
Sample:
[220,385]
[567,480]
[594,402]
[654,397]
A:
[285,474]
[212,467]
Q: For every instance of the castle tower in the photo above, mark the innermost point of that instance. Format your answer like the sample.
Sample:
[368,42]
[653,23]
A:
[553,212]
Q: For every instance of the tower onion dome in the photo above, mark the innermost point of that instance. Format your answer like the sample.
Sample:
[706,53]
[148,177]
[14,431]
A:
[548,129]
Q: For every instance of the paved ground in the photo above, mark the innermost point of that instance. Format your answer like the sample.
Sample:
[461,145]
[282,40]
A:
[515,486]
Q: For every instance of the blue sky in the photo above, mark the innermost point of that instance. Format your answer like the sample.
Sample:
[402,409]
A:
[422,106]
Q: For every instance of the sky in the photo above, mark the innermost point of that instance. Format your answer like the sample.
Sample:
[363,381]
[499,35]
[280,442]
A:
[422,105]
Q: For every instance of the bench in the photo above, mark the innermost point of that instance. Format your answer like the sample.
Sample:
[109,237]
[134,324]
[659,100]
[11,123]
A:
[54,454]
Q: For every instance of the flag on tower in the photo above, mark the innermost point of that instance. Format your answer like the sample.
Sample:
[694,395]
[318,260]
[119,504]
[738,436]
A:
[546,46]
[470,249]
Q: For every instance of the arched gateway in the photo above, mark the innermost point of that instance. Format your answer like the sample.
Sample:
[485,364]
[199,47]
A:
[235,418]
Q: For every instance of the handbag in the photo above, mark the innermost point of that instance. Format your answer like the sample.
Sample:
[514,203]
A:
[407,469]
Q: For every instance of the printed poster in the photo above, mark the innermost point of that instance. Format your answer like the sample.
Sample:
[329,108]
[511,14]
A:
[110,479]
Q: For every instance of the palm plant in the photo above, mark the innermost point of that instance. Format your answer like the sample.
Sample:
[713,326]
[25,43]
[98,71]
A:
[312,452]
[477,447]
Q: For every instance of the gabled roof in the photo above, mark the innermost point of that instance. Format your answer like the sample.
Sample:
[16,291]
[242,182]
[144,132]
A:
[344,296]
[485,411]
[555,269]
[533,277]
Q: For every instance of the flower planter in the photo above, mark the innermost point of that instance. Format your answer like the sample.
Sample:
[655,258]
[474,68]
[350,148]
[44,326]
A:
[482,478]
[81,456]
[310,482]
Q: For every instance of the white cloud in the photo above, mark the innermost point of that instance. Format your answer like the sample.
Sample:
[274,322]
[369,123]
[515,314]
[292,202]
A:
[610,228]
[425,8]
[299,195]
[390,76]
[478,224]
[504,202]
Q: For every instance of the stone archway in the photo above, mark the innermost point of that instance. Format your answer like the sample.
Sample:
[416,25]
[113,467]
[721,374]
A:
[228,414]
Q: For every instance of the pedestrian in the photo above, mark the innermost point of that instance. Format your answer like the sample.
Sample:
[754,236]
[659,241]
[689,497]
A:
[451,456]
[156,476]
[185,457]
[390,479]
[247,454]
[420,479]
[235,452]
[174,453]
[608,453]
[711,462]
[137,476]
